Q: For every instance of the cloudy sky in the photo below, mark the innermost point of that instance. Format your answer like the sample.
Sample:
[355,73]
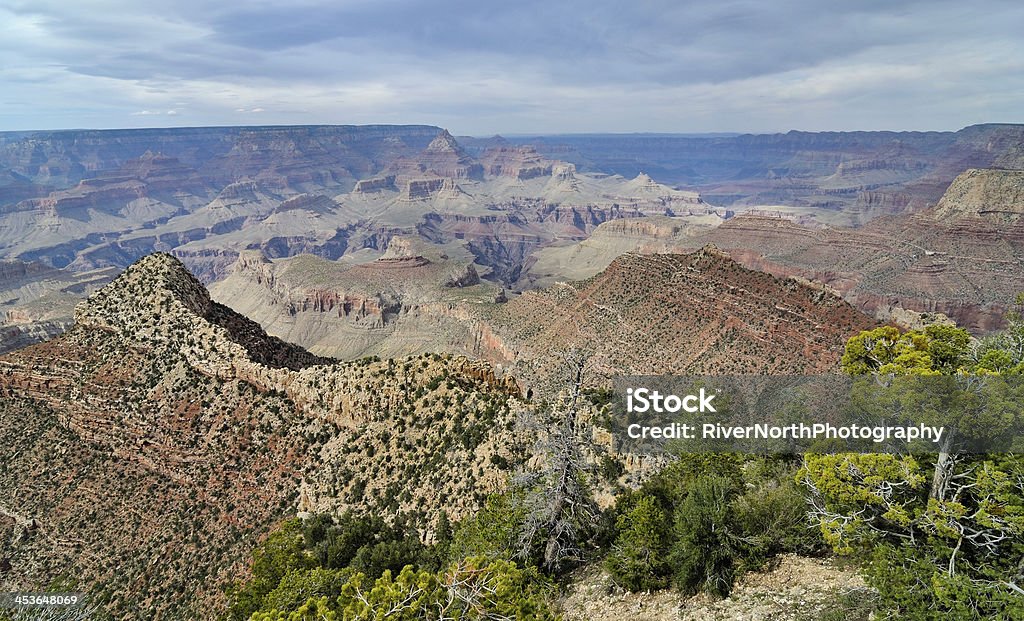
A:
[484,67]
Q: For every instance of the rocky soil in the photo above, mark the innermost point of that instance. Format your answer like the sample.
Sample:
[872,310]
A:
[796,589]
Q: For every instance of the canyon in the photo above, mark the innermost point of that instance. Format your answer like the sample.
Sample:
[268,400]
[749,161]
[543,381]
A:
[962,258]
[872,215]
[206,331]
[149,446]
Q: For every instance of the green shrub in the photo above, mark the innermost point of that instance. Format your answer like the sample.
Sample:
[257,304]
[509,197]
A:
[297,586]
[488,589]
[283,551]
[706,518]
[639,556]
[772,516]
[704,553]
[492,532]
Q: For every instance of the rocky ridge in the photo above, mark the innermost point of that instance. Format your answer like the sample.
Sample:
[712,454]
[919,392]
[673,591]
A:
[684,314]
[183,432]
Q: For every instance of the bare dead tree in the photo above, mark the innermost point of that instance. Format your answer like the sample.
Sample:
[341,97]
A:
[560,512]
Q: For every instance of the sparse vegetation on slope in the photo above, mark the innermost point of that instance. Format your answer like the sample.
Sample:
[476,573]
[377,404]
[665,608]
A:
[158,439]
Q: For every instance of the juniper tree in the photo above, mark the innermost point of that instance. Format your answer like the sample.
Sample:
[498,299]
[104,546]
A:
[942,534]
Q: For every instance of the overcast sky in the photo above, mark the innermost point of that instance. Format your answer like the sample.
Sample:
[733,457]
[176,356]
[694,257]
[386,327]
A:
[484,67]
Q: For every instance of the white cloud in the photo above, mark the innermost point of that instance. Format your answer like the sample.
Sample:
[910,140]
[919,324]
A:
[155,113]
[529,67]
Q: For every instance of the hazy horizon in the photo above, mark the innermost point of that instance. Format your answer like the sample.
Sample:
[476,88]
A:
[532,68]
[508,135]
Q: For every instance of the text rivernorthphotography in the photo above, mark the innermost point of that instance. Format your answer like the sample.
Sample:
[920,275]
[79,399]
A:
[800,431]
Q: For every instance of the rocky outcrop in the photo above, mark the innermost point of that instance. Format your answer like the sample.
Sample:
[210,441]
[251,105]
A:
[642,228]
[422,189]
[170,305]
[375,184]
[517,162]
[397,263]
[467,276]
[993,195]
[872,204]
[308,202]
[643,187]
[445,157]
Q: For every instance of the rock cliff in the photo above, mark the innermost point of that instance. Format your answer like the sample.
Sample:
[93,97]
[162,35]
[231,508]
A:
[994,195]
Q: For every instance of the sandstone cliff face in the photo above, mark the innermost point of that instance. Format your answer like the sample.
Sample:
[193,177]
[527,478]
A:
[422,189]
[872,204]
[994,195]
[375,184]
[183,433]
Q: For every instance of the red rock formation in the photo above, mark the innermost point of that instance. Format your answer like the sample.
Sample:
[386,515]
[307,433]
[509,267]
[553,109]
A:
[696,313]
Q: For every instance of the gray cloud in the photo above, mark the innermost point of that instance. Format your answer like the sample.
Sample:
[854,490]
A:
[531,66]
